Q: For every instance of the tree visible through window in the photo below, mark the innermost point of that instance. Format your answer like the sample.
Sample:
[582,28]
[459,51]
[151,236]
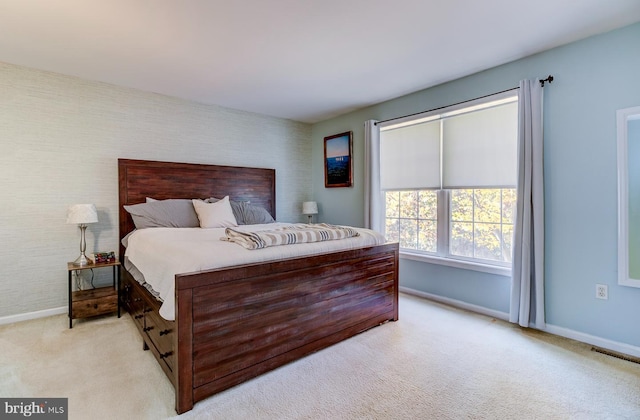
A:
[412,219]
[482,223]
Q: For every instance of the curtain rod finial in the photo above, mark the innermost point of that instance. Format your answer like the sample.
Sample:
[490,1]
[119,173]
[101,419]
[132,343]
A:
[548,79]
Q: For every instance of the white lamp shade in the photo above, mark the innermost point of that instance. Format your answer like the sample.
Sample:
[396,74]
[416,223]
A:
[309,207]
[82,214]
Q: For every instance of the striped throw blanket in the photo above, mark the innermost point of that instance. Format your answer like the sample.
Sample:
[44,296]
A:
[295,234]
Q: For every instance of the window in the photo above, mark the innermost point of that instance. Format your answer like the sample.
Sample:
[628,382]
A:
[449,181]
[482,223]
[412,219]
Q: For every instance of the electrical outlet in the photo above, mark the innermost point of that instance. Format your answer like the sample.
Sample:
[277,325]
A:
[602,291]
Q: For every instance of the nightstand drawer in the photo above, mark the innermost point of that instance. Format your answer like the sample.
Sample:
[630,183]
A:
[93,302]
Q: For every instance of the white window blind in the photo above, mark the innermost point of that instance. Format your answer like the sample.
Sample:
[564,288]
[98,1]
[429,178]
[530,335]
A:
[410,157]
[480,148]
[461,147]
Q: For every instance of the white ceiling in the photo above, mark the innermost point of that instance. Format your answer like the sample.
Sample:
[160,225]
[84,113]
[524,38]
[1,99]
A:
[306,60]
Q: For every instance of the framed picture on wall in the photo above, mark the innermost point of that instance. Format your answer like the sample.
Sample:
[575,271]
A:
[338,166]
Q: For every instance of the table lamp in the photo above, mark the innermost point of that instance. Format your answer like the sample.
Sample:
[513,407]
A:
[310,208]
[81,215]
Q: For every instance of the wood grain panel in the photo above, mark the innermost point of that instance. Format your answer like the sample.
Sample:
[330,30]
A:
[210,388]
[238,324]
[273,288]
[92,302]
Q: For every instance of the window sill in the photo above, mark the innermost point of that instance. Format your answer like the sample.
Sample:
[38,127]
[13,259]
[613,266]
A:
[464,265]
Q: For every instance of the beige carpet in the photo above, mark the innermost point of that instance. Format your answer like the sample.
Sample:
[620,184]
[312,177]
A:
[437,362]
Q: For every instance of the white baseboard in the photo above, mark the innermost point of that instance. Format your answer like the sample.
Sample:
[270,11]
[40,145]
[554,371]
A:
[604,343]
[33,315]
[457,303]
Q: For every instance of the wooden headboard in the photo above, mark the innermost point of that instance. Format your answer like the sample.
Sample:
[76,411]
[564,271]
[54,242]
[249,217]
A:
[139,179]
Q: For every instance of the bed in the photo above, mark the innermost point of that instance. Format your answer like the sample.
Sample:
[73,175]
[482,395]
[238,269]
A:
[234,323]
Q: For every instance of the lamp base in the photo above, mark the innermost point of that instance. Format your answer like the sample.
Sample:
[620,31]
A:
[82,260]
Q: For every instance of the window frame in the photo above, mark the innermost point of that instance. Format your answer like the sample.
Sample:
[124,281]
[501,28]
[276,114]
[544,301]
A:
[442,255]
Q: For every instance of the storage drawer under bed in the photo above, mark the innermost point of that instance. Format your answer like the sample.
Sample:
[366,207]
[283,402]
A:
[157,332]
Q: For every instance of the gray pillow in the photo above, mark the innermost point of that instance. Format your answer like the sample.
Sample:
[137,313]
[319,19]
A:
[253,215]
[164,213]
[246,213]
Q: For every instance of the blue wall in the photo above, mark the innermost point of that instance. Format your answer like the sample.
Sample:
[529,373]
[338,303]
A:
[593,78]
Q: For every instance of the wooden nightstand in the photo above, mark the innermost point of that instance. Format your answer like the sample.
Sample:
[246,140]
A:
[93,302]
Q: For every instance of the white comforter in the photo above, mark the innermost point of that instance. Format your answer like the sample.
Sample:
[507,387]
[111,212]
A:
[161,253]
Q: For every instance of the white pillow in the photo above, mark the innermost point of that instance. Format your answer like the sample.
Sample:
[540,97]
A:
[215,215]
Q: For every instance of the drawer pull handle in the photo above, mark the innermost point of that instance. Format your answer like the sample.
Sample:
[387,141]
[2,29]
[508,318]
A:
[147,310]
[137,299]
[147,329]
[138,316]
[165,332]
[165,355]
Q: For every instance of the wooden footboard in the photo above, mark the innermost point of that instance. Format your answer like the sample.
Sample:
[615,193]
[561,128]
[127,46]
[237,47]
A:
[238,323]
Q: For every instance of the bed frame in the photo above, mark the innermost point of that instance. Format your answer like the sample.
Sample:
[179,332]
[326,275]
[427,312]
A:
[236,323]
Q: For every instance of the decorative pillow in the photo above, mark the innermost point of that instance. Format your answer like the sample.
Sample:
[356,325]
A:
[253,215]
[164,213]
[215,215]
[235,207]
[246,213]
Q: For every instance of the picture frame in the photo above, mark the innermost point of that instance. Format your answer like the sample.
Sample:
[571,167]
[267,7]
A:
[338,162]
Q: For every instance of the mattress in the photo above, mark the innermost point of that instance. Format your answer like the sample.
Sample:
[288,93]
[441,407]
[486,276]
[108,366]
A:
[161,253]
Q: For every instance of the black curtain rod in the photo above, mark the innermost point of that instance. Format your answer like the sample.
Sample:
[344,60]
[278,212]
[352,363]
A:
[542,82]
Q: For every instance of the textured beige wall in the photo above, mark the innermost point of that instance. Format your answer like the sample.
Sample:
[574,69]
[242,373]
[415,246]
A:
[60,138]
